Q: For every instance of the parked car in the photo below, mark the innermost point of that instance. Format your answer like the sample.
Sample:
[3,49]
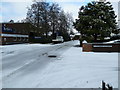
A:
[59,39]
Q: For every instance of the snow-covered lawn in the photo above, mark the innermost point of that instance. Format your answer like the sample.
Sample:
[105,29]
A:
[77,69]
[73,69]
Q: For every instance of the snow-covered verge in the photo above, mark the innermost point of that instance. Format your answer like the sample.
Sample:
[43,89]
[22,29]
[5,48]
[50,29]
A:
[77,69]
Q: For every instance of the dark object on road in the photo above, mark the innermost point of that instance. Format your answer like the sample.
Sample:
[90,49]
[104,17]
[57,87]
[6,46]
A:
[52,56]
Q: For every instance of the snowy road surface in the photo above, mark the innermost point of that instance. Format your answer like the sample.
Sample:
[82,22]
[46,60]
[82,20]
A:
[28,66]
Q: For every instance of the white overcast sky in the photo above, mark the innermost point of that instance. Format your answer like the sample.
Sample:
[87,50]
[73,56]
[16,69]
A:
[17,9]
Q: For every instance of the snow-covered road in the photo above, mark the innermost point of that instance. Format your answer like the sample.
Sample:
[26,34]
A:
[28,66]
[27,58]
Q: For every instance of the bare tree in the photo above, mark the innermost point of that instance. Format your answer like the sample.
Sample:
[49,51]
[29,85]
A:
[38,15]
[49,18]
